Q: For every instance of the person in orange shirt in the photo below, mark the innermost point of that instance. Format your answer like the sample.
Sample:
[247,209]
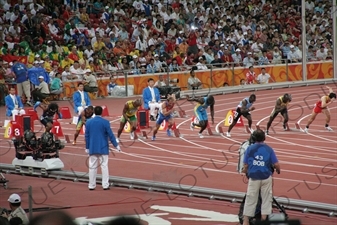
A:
[183,46]
[118,50]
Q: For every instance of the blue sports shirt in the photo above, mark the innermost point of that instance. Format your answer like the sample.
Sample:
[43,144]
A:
[20,71]
[248,105]
[259,157]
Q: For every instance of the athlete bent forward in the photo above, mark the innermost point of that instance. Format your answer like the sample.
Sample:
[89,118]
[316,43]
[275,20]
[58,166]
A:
[129,116]
[165,114]
[48,114]
[86,114]
[280,107]
[243,109]
[200,111]
[322,106]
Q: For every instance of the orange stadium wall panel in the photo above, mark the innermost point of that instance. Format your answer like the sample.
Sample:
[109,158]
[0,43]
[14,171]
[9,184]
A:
[218,77]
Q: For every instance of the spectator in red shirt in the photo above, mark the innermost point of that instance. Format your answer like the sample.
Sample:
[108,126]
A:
[192,42]
[250,75]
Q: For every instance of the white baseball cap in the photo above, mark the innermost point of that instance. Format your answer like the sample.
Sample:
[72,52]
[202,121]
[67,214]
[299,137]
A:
[41,77]
[14,198]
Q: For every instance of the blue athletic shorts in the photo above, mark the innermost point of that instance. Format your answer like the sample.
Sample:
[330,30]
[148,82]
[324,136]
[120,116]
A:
[161,118]
[200,113]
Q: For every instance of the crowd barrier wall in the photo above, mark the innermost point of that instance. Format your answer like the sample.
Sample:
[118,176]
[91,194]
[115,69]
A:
[215,78]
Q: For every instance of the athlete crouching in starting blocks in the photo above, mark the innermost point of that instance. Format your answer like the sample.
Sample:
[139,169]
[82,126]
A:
[48,114]
[165,114]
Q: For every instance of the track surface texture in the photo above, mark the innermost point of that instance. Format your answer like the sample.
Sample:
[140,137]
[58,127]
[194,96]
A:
[308,161]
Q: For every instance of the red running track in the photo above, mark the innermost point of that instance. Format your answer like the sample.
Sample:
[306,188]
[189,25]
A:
[308,161]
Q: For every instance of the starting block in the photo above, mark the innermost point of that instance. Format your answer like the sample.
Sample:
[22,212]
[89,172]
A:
[32,113]
[230,117]
[57,129]
[105,111]
[65,111]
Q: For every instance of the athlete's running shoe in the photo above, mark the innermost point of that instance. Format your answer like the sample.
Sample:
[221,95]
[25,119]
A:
[284,127]
[329,128]
[228,134]
[201,136]
[153,138]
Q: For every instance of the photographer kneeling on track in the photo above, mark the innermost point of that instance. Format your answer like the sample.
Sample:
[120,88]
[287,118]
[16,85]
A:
[258,160]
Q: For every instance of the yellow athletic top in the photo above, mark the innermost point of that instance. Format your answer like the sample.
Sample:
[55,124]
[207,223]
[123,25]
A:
[282,103]
[131,109]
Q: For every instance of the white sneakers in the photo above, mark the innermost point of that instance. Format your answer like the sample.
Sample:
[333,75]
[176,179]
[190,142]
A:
[200,135]
[228,134]
[306,130]
[132,135]
[329,128]
[191,127]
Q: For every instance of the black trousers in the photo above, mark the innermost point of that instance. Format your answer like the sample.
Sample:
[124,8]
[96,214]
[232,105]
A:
[38,96]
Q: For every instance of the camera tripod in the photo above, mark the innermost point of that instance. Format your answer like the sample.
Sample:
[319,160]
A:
[257,216]
[3,180]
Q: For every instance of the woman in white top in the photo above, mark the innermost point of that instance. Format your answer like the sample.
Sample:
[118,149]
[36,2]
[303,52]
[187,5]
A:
[141,44]
[277,56]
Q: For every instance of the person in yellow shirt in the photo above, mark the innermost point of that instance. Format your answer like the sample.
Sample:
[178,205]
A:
[129,116]
[99,45]
[47,64]
[66,61]
[84,17]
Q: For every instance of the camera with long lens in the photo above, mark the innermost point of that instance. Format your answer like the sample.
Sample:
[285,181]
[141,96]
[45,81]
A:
[49,147]
[45,147]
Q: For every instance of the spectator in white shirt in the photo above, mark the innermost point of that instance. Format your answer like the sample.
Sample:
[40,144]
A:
[248,61]
[52,28]
[264,77]
[237,58]
[193,83]
[293,55]
[201,64]
[141,44]
[118,12]
[75,70]
[321,54]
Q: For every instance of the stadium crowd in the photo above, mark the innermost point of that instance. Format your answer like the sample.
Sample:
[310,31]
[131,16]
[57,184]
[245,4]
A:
[138,37]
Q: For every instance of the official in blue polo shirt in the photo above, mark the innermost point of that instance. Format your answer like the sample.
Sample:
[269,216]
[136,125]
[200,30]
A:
[259,163]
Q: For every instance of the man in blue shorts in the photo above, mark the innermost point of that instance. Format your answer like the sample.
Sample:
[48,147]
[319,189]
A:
[165,114]
[200,111]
